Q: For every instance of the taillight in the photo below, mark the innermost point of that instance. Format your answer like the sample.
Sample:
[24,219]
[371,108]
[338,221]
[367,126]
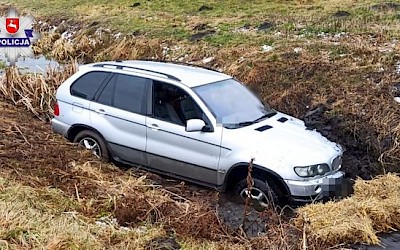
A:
[56,109]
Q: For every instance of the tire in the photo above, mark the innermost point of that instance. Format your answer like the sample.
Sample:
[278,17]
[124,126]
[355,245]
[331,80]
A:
[263,196]
[92,141]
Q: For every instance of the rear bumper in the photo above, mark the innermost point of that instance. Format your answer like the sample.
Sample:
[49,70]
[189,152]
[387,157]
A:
[316,189]
[60,127]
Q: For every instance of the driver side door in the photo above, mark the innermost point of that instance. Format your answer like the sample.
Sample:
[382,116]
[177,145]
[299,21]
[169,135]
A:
[170,149]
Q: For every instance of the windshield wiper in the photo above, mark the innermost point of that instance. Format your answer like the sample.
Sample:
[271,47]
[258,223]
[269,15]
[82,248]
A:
[244,124]
[248,123]
[269,115]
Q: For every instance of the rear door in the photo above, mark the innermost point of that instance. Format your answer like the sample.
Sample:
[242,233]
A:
[82,92]
[118,114]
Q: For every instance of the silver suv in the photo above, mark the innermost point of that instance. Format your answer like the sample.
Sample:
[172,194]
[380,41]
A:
[197,125]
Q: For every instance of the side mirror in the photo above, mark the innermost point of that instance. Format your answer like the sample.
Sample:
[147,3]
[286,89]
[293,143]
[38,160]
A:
[195,125]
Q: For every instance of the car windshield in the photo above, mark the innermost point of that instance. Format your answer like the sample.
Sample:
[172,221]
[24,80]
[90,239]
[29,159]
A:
[233,104]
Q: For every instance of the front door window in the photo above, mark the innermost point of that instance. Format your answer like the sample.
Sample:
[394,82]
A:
[173,104]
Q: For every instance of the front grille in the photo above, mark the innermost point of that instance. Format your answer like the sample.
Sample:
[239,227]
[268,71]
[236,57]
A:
[336,163]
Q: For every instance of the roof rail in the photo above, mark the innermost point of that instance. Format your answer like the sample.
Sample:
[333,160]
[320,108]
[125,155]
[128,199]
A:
[119,66]
[179,63]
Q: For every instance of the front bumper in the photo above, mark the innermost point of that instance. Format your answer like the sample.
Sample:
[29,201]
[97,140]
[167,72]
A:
[59,127]
[316,189]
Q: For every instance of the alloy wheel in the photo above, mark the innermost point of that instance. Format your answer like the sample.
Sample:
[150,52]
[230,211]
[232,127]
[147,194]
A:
[257,197]
[92,145]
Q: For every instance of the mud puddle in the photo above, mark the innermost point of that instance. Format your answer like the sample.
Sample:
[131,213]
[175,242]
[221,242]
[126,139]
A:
[389,241]
[238,216]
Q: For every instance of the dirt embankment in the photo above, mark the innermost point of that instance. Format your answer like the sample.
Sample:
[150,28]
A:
[345,91]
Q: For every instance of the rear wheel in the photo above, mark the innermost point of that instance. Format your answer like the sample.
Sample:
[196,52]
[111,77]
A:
[93,142]
[260,195]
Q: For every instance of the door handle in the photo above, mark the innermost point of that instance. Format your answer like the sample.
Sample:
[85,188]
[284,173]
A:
[77,104]
[154,126]
[101,111]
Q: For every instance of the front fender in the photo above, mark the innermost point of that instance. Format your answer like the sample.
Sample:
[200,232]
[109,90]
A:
[239,171]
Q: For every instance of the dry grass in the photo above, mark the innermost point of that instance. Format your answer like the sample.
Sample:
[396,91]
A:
[66,184]
[34,91]
[373,208]
[45,218]
[133,48]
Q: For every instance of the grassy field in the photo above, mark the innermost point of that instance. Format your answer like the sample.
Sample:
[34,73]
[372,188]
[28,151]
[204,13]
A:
[332,63]
[180,19]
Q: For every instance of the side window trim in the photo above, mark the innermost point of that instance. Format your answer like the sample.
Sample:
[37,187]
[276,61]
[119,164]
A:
[103,86]
[146,97]
[149,104]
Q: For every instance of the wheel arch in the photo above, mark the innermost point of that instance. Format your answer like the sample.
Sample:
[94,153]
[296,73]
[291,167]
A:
[239,171]
[77,128]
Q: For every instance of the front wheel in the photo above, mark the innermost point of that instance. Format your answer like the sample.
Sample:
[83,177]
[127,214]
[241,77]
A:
[93,142]
[260,195]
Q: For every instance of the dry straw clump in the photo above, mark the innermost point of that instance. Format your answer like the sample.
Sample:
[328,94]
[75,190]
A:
[373,208]
[34,91]
[129,48]
[45,218]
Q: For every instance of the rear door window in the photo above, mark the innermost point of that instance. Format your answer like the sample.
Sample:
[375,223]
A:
[87,85]
[126,92]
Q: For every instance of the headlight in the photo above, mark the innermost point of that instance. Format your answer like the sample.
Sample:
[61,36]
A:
[311,171]
[337,163]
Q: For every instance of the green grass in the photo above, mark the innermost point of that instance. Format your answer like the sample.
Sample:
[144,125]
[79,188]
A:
[173,19]
[3,65]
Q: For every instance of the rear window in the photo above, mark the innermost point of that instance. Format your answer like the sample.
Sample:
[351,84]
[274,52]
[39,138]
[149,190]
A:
[125,92]
[87,85]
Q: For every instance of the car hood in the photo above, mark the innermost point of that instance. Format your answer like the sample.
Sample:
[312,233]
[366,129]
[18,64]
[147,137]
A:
[281,142]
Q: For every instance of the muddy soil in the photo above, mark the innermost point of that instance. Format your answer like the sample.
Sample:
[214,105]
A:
[357,161]
[389,241]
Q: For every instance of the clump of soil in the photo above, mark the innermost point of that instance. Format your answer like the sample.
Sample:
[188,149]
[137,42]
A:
[131,210]
[341,13]
[200,35]
[163,243]
[201,26]
[265,26]
[205,8]
[137,4]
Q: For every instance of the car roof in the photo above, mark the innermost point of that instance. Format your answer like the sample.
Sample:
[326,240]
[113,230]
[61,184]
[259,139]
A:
[190,76]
